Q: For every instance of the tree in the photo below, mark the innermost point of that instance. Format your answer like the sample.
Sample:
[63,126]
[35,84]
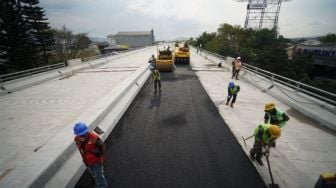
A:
[204,39]
[329,38]
[42,38]
[269,50]
[68,44]
[24,35]
[16,50]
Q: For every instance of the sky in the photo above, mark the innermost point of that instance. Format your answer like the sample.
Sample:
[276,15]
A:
[183,18]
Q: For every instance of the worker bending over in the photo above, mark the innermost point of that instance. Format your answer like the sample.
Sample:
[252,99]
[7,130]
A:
[92,150]
[264,136]
[275,116]
[232,93]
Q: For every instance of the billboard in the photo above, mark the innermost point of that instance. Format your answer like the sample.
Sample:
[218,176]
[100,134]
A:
[258,4]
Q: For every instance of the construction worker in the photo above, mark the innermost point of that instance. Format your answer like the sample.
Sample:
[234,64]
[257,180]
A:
[264,136]
[92,150]
[152,62]
[326,180]
[236,68]
[275,116]
[233,67]
[232,93]
[157,79]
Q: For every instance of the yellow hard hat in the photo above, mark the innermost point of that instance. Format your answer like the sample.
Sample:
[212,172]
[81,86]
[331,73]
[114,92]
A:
[274,131]
[269,106]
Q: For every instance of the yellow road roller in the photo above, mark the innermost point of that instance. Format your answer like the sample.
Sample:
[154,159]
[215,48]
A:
[182,54]
[165,60]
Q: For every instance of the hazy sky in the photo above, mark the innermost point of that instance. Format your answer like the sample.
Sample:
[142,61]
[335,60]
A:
[183,18]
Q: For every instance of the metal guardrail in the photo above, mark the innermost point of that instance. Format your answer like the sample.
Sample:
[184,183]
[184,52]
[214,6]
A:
[275,78]
[297,86]
[29,72]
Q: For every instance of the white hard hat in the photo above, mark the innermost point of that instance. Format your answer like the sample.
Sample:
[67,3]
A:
[238,58]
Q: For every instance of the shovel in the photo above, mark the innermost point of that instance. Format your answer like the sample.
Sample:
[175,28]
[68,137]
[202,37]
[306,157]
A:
[273,185]
[244,139]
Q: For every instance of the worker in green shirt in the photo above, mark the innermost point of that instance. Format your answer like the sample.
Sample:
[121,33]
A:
[264,136]
[232,93]
[275,116]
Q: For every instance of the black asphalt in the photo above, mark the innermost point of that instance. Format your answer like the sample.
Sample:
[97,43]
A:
[175,139]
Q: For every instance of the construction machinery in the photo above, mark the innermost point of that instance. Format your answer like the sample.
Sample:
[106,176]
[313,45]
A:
[165,60]
[182,53]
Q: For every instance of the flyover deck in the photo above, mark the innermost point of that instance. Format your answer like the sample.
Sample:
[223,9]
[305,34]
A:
[29,118]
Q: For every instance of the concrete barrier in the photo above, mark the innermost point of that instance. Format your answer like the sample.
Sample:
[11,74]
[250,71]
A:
[25,82]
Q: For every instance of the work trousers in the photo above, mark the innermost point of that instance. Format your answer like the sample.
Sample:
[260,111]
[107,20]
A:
[234,96]
[235,74]
[97,172]
[256,151]
[156,84]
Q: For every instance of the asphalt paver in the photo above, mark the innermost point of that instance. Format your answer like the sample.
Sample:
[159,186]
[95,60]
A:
[175,138]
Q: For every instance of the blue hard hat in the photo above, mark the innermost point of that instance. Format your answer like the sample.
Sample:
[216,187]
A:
[231,84]
[80,129]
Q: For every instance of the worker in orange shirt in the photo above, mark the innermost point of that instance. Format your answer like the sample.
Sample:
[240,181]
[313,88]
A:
[236,64]
[92,150]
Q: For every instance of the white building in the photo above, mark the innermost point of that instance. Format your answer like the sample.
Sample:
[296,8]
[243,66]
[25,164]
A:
[132,39]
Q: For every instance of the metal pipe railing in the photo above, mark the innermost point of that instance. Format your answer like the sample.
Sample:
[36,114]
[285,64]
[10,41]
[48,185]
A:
[29,72]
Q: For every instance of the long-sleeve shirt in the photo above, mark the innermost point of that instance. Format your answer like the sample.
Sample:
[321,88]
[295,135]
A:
[233,90]
[276,118]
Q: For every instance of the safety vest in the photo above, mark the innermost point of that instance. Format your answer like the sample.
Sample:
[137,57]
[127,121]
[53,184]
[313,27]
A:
[88,149]
[261,132]
[234,90]
[275,119]
[156,75]
[237,65]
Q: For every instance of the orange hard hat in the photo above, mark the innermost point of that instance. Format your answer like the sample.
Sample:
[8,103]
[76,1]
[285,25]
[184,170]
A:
[269,106]
[274,131]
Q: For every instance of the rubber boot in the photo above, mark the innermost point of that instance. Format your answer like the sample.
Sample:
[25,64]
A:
[231,105]
[258,158]
[252,155]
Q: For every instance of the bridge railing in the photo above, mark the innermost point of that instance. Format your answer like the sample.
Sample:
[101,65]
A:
[297,86]
[275,78]
[29,72]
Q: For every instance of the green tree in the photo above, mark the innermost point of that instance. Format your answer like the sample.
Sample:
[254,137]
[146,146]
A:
[204,39]
[269,51]
[68,44]
[329,38]
[233,40]
[16,49]
[42,38]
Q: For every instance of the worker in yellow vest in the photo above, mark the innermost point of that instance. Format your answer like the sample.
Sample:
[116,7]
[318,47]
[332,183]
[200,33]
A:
[157,79]
[264,136]
[275,116]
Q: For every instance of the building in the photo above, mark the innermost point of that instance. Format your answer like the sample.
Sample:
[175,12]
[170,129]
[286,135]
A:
[132,39]
[324,58]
